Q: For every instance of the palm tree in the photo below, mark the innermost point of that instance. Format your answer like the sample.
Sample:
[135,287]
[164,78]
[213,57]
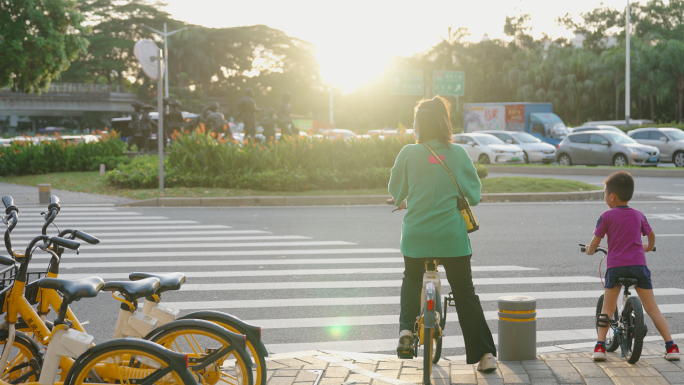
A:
[671,64]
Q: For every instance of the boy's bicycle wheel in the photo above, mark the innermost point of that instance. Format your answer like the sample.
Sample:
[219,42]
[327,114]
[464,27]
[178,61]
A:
[612,343]
[428,340]
[633,335]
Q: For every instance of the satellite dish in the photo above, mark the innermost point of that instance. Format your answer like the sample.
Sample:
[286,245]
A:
[144,51]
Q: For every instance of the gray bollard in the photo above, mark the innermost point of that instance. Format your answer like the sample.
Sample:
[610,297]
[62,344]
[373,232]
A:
[517,328]
[44,193]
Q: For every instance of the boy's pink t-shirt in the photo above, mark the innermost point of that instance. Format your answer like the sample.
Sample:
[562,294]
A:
[625,226]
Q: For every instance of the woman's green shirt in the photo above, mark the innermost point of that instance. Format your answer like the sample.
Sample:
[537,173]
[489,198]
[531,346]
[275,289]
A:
[433,227]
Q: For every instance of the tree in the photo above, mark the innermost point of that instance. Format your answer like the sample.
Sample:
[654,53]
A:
[672,59]
[38,41]
[117,27]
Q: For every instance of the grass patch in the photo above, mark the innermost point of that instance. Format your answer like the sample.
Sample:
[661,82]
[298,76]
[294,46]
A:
[521,184]
[538,165]
[90,182]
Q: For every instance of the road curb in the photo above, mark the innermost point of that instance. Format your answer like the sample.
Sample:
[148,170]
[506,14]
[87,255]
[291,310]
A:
[595,171]
[336,200]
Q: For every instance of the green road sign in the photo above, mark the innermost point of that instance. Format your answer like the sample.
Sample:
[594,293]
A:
[449,83]
[407,82]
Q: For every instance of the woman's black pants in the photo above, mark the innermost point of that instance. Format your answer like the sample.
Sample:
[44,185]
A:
[476,333]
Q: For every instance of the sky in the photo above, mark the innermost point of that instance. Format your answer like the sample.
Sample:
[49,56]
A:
[355,39]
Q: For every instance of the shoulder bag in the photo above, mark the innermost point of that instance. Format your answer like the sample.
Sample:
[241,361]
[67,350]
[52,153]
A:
[462,203]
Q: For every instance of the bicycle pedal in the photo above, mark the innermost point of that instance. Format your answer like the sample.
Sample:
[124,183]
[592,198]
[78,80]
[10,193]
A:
[405,354]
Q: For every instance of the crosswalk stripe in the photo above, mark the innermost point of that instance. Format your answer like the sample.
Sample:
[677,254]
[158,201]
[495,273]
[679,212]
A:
[106,242]
[36,230]
[296,323]
[350,301]
[86,220]
[269,273]
[448,342]
[93,248]
[184,254]
[226,263]
[86,213]
[158,233]
[378,283]
[86,208]
[119,223]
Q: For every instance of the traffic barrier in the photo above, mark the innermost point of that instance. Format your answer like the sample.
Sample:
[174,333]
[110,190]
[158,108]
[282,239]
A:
[517,328]
[44,193]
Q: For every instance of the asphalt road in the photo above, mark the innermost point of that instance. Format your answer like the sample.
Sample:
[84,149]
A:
[307,274]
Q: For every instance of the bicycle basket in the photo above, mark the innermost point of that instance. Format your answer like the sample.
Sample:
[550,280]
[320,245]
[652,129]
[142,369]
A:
[31,290]
[7,277]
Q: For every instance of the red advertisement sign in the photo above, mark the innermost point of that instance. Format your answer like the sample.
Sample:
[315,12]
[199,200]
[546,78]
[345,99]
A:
[515,113]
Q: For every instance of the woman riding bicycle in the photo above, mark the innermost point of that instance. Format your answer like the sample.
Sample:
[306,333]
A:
[434,229]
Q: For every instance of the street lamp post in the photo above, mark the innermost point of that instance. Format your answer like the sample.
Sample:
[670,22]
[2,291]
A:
[627,86]
[165,34]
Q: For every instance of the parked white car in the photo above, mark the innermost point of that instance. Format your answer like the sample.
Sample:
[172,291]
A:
[485,148]
[534,150]
[670,142]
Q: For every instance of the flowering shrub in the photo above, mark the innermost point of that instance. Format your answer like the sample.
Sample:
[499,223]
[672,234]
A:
[199,159]
[37,157]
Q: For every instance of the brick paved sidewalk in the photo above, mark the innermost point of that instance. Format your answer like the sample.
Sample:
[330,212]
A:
[569,367]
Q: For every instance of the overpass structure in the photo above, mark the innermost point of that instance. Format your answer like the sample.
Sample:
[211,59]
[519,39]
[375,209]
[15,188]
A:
[65,99]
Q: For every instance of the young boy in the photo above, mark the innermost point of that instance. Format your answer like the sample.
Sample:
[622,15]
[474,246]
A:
[626,258]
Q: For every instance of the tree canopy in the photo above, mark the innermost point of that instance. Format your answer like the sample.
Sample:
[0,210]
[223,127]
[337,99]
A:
[38,41]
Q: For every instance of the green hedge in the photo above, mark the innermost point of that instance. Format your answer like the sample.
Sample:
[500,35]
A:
[198,160]
[25,157]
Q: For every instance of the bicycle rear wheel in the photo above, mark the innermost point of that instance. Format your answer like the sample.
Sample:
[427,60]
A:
[428,339]
[213,356]
[633,335]
[612,343]
[18,368]
[129,361]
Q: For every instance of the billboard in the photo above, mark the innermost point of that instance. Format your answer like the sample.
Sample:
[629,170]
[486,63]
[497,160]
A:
[479,118]
[515,117]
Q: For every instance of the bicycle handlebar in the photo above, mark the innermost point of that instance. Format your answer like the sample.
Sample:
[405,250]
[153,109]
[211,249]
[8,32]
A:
[583,249]
[8,201]
[7,261]
[67,243]
[82,235]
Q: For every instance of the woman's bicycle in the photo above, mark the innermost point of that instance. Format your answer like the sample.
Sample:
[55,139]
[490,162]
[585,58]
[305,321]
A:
[429,327]
[626,326]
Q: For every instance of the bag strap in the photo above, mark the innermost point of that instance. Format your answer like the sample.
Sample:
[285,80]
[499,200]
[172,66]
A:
[445,166]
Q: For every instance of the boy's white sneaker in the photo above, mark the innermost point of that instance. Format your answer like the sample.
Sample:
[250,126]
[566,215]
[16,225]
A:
[599,353]
[672,353]
[487,363]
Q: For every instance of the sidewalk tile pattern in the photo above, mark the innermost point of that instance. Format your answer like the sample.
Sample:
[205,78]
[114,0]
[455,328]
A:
[565,368]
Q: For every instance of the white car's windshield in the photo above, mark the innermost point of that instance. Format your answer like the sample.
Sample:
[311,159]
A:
[488,139]
[557,130]
[676,135]
[618,138]
[525,137]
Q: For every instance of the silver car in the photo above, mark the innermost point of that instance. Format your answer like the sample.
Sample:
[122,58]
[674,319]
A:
[670,142]
[534,149]
[604,148]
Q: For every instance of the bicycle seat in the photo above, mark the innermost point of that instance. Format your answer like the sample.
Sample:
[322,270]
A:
[627,282]
[132,290]
[170,281]
[73,290]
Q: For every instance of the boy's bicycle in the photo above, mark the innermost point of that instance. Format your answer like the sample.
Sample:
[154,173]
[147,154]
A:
[626,326]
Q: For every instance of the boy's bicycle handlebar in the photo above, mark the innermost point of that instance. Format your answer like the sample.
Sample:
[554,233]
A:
[583,248]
